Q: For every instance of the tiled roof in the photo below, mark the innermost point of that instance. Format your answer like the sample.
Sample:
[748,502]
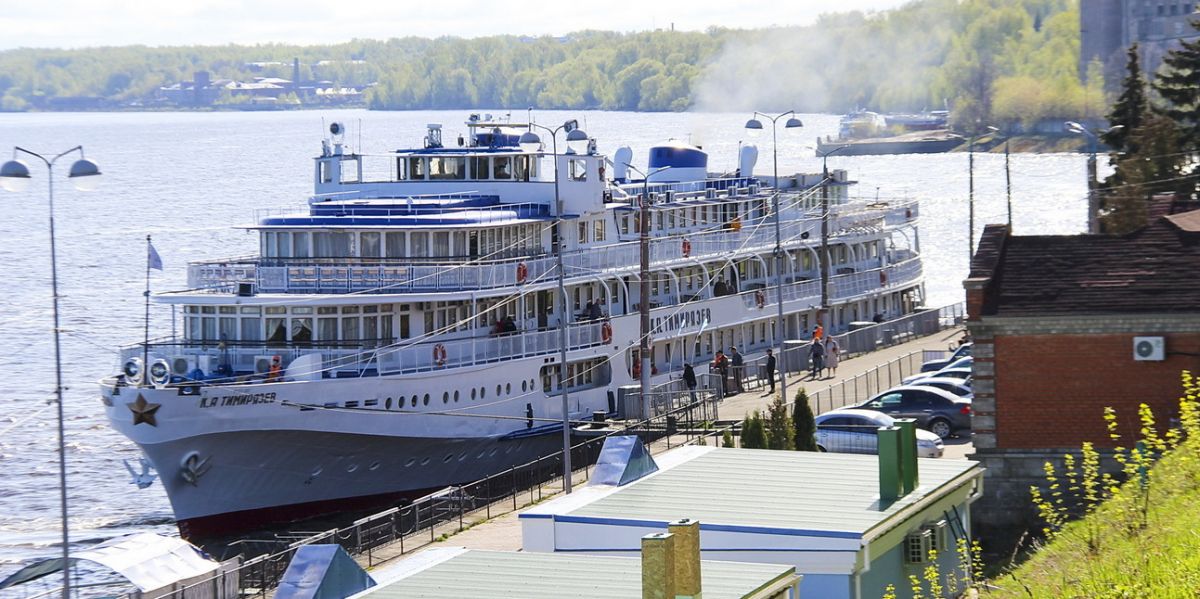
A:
[1153,270]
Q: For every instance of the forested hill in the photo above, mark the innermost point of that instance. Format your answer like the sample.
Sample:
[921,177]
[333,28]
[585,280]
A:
[1001,60]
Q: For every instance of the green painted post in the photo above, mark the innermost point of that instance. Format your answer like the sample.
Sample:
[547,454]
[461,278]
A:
[909,478]
[889,465]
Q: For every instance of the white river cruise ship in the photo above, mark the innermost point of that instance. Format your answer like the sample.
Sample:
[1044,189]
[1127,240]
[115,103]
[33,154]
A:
[401,333]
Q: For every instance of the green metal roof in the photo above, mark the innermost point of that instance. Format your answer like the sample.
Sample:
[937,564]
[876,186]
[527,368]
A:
[508,575]
[785,490]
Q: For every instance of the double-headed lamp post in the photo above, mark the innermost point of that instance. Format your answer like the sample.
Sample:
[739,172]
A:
[754,127]
[1093,214]
[14,176]
[577,141]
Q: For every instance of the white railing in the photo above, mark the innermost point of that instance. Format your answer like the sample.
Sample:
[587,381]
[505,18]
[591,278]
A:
[400,358]
[842,287]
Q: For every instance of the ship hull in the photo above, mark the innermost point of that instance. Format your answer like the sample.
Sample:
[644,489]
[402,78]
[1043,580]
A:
[286,476]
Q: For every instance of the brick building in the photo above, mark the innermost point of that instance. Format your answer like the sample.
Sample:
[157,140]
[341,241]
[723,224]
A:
[1108,27]
[1054,320]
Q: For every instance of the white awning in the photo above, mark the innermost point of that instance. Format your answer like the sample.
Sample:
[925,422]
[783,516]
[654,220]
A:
[146,560]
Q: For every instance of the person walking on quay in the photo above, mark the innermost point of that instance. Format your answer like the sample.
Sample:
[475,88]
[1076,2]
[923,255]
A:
[816,358]
[739,369]
[770,367]
[689,380]
[832,354]
[721,365]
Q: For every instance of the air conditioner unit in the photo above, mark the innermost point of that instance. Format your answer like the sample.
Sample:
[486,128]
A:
[262,363]
[917,546]
[1149,349]
[181,365]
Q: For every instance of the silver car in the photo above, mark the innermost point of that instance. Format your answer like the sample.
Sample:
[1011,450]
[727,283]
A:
[849,430]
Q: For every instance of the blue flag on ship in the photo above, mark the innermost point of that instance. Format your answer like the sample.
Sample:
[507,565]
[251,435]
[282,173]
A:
[153,260]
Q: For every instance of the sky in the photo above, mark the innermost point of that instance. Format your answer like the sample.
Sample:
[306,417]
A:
[84,23]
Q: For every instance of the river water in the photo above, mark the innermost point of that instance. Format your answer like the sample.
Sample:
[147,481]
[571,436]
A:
[188,178]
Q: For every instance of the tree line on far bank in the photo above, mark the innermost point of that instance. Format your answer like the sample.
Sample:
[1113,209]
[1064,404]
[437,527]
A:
[994,61]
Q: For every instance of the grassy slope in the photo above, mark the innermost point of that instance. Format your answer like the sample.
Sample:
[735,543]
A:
[1160,561]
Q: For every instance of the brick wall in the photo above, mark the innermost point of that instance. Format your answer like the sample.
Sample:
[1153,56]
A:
[1051,389]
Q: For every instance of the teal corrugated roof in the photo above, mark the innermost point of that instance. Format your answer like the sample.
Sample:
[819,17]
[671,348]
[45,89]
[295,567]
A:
[504,575]
[792,490]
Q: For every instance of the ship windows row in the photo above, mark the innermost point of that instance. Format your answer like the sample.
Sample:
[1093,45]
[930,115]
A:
[493,242]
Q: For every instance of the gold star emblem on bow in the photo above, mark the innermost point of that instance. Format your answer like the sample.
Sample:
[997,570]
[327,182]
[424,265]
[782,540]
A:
[143,411]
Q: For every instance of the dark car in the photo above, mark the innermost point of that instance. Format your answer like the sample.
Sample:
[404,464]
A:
[940,412]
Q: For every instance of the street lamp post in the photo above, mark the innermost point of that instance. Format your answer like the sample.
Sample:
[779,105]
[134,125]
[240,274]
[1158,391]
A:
[531,143]
[644,279]
[754,126]
[1093,214]
[14,176]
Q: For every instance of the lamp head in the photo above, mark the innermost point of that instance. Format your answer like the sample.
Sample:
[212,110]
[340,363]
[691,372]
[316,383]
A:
[14,176]
[754,127]
[793,123]
[85,175]
[530,142]
[1073,127]
[577,141]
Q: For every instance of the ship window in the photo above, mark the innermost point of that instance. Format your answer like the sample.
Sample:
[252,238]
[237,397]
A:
[327,310]
[395,245]
[420,244]
[416,168]
[521,170]
[302,310]
[208,310]
[251,329]
[300,245]
[331,245]
[447,167]
[425,400]
[276,330]
[502,167]
[327,329]
[229,328]
[251,310]
[414,401]
[350,328]
[577,170]
[326,175]
[369,245]
[349,170]
[445,397]
[349,309]
[227,309]
[302,330]
[441,244]
[583,227]
[283,245]
[479,167]
[456,396]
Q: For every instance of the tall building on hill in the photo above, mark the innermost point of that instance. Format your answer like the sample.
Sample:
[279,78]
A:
[1108,27]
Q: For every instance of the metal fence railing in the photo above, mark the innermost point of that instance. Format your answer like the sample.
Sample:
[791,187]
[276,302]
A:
[402,529]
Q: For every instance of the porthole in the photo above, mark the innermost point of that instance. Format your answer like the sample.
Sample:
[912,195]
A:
[410,462]
[472,394]
[425,400]
[414,401]
[532,386]
[425,462]
[494,451]
[448,457]
[445,397]
[351,467]
[482,392]
[317,471]
[508,388]
[482,452]
[456,396]
[498,389]
[524,387]
[463,457]
[373,466]
[387,404]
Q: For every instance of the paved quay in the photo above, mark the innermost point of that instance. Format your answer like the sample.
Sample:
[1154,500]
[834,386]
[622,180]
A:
[503,532]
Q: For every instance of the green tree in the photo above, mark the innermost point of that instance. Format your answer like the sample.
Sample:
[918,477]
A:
[780,430]
[1178,83]
[1154,168]
[803,424]
[1129,110]
[754,436]
[727,439]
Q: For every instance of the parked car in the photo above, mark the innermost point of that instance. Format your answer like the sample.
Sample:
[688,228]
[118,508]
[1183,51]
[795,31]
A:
[959,387]
[856,431]
[940,412]
[962,373]
[963,351]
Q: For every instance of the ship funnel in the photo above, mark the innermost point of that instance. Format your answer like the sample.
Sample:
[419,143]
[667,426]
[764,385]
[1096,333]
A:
[746,160]
[623,156]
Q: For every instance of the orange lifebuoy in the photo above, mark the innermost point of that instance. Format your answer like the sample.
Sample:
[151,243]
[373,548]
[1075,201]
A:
[687,248]
[439,354]
[606,333]
[883,277]
[760,298]
[522,272]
